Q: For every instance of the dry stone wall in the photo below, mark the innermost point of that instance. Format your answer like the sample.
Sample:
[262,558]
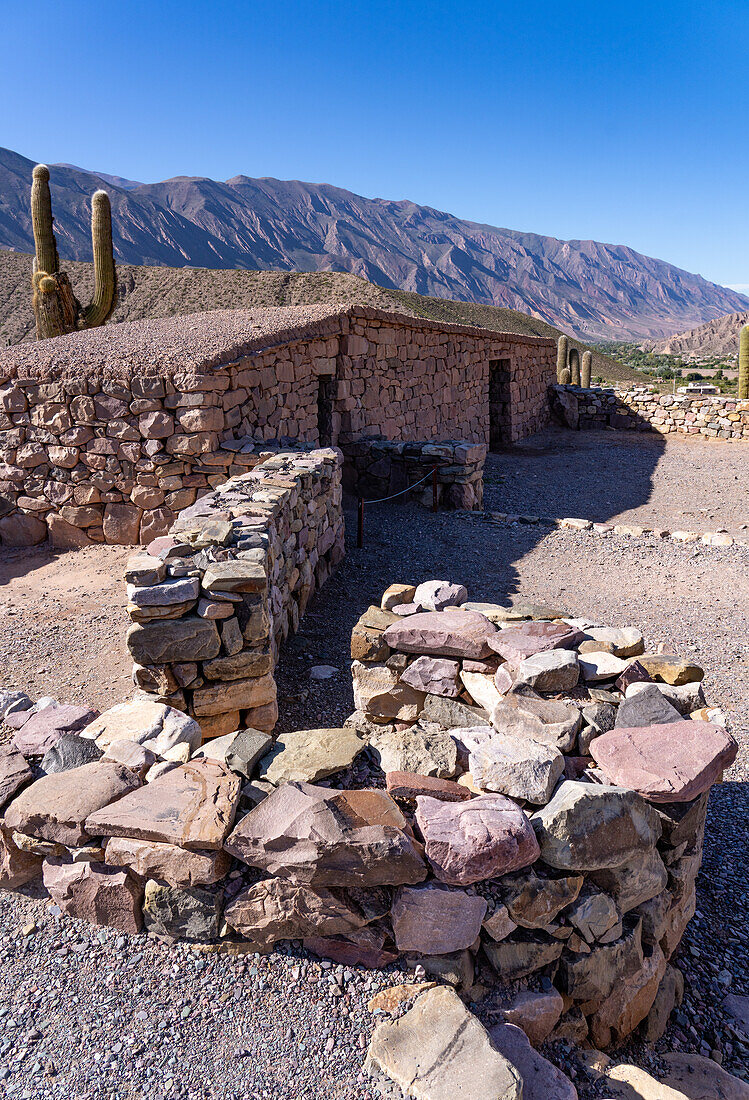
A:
[377,468]
[517,807]
[107,435]
[641,410]
[211,602]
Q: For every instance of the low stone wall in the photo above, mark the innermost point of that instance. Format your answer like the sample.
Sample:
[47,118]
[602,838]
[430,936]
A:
[377,468]
[211,602]
[641,410]
[517,808]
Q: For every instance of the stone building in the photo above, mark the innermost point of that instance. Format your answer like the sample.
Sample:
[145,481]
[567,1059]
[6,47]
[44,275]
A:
[107,434]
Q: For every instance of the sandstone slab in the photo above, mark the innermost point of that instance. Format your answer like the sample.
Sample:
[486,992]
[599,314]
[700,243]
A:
[436,675]
[534,901]
[515,766]
[166,642]
[471,841]
[439,1051]
[439,595]
[56,807]
[537,1012]
[245,694]
[699,1078]
[516,643]
[451,713]
[308,755]
[436,920]
[380,693]
[324,837]
[174,865]
[407,786]
[192,805]
[671,670]
[452,633]
[17,866]
[632,883]
[43,729]
[675,762]
[515,959]
[95,893]
[626,642]
[595,667]
[15,773]
[587,827]
[482,688]
[550,721]
[553,670]
[541,1079]
[279,909]
[153,725]
[423,749]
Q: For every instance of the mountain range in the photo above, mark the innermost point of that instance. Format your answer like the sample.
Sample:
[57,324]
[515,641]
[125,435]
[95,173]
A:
[593,291]
[715,339]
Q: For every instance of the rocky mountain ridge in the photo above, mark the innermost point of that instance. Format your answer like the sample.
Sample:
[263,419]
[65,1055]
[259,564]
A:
[719,337]
[593,291]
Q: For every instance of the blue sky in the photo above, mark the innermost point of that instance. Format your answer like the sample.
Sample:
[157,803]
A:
[621,122]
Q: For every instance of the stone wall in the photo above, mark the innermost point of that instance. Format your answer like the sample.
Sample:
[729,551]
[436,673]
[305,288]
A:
[517,807]
[211,602]
[641,410]
[377,468]
[106,435]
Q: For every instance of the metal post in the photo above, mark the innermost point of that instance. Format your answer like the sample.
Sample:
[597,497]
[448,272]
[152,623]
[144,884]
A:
[360,526]
[434,488]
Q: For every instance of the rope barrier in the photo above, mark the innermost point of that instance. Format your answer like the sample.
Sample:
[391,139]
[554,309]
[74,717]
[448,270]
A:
[381,500]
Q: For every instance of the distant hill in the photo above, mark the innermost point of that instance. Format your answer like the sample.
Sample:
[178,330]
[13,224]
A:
[594,291]
[165,291]
[711,340]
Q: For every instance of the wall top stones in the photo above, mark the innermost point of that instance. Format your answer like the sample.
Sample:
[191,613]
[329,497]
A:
[204,341]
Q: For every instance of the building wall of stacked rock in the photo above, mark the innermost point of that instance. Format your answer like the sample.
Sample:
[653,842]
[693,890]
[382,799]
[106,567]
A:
[107,434]
[211,602]
[517,806]
[641,410]
[377,468]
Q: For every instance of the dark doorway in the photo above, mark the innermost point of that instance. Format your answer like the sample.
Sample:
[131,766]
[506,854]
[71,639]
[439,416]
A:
[325,398]
[499,403]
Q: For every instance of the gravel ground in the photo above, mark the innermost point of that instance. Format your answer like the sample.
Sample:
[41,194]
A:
[687,482]
[128,1017]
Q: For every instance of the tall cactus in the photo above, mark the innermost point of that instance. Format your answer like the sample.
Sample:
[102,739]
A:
[575,366]
[743,390]
[586,369]
[562,345]
[56,309]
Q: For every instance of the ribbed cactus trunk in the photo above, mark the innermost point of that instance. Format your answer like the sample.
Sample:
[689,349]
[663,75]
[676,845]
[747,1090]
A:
[743,390]
[575,366]
[565,377]
[586,369]
[56,309]
[562,346]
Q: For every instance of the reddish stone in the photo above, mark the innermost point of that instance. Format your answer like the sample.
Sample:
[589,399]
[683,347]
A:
[450,633]
[409,785]
[363,947]
[14,772]
[436,920]
[57,805]
[634,673]
[471,841]
[436,675]
[515,643]
[96,893]
[674,762]
[44,729]
[17,867]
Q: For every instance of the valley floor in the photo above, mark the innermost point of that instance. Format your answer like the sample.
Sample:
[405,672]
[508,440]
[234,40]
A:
[127,1016]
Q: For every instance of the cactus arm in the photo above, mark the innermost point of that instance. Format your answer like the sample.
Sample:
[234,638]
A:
[41,220]
[575,366]
[743,387]
[564,376]
[585,370]
[562,345]
[105,279]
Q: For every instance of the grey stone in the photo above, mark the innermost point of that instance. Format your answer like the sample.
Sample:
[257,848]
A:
[514,959]
[648,707]
[182,912]
[306,756]
[15,773]
[423,749]
[593,915]
[541,1079]
[173,640]
[591,978]
[70,751]
[550,721]
[451,713]
[178,591]
[553,670]
[589,827]
[515,766]
[634,882]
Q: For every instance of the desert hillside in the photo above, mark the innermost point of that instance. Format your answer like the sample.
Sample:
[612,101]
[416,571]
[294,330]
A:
[164,292]
[713,339]
[594,291]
